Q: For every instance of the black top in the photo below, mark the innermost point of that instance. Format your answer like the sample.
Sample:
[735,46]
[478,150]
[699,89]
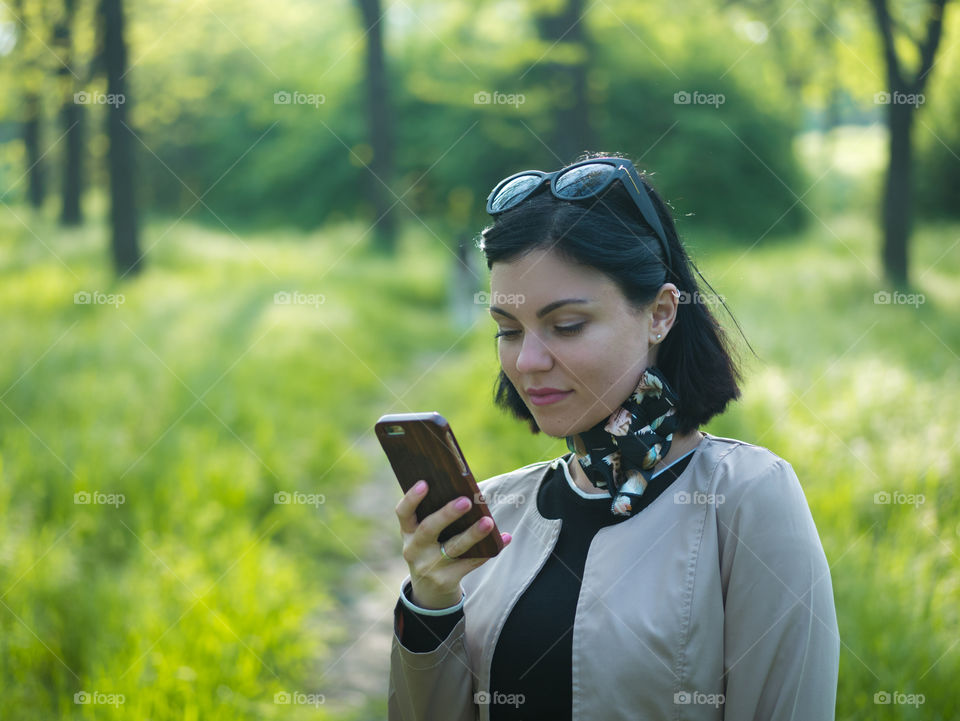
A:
[534,652]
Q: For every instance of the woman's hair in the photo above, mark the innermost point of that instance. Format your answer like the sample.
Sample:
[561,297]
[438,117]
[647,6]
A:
[609,234]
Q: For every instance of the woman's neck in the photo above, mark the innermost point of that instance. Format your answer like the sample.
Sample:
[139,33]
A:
[680,446]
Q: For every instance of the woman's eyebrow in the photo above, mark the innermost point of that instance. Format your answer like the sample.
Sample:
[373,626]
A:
[549,307]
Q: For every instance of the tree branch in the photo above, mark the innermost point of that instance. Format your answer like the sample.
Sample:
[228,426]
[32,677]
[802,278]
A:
[929,48]
[894,77]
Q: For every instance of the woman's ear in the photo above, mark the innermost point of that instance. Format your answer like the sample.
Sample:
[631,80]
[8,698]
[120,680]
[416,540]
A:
[663,312]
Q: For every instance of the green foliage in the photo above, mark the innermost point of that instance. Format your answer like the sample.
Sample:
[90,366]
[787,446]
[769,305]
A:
[213,144]
[937,137]
[198,397]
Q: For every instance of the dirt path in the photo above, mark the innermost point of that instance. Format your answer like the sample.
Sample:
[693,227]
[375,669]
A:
[355,674]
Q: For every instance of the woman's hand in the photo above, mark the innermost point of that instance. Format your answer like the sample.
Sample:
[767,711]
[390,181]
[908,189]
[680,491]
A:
[435,580]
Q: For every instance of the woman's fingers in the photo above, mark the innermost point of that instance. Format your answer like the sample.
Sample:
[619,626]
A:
[407,508]
[432,526]
[463,542]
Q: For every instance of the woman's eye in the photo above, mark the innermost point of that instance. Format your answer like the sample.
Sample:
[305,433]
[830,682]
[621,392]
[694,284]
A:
[562,329]
[570,329]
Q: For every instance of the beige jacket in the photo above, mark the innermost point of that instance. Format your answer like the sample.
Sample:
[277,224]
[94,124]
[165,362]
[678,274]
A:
[715,602]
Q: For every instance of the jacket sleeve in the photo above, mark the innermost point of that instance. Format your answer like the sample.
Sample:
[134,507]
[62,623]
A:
[781,642]
[435,685]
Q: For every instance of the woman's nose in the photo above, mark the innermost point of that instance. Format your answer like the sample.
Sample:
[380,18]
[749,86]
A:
[534,355]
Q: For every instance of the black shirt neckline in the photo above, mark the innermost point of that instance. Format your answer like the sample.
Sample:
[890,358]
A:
[556,499]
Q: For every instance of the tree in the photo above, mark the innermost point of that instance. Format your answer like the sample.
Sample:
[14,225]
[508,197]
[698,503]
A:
[380,128]
[903,96]
[71,118]
[32,108]
[563,28]
[125,245]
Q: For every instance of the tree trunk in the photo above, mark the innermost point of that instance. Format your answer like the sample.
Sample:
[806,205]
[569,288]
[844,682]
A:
[71,120]
[572,133]
[380,129]
[123,212]
[897,199]
[31,140]
[904,94]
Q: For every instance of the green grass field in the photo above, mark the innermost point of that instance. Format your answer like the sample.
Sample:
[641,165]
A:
[187,589]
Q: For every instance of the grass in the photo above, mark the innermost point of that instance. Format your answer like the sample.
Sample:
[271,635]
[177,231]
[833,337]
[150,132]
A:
[199,397]
[195,399]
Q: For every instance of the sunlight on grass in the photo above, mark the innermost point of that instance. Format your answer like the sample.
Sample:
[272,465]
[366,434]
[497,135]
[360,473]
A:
[233,371]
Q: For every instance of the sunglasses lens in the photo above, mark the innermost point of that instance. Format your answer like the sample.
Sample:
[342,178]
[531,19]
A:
[584,180]
[513,192]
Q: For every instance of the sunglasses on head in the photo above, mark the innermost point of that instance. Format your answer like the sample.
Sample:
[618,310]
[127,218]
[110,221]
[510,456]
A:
[580,181]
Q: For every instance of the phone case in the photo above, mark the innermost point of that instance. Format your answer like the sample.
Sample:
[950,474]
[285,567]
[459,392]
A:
[421,445]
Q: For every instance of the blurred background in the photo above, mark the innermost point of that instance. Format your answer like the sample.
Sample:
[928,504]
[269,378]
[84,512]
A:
[233,234]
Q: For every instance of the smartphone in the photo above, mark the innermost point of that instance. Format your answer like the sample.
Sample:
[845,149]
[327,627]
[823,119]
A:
[422,446]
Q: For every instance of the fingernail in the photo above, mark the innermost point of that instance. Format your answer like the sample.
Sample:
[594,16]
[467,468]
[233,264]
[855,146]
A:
[462,503]
[420,486]
[506,537]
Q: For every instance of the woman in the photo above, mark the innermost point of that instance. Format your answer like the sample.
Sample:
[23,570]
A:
[653,572]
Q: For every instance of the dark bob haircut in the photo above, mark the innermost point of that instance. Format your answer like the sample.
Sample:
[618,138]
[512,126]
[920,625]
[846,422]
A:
[608,233]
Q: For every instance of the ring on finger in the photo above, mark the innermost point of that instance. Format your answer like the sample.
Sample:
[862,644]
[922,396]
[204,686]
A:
[443,553]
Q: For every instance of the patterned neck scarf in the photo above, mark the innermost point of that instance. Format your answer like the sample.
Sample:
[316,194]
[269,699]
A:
[620,452]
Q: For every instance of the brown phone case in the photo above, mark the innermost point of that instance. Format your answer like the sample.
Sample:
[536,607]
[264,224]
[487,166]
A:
[422,446]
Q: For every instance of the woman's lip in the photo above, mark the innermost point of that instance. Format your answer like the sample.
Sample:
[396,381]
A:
[543,400]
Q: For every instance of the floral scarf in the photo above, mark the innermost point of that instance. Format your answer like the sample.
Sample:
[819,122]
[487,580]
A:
[620,452]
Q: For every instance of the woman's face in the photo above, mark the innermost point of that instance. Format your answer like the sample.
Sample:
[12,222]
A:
[594,350]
